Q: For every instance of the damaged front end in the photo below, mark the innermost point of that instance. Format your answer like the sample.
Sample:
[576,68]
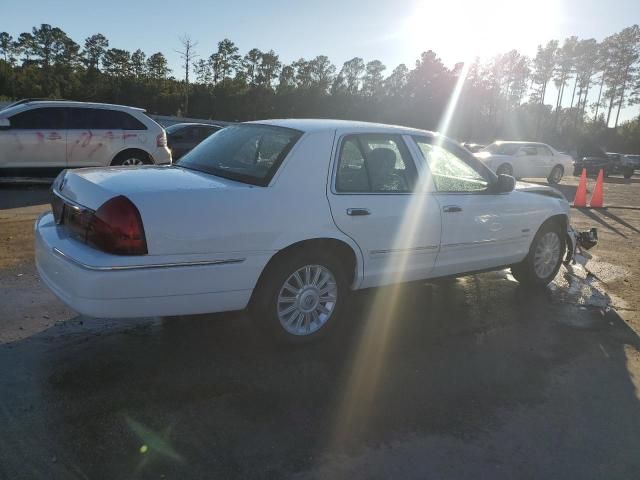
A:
[579,242]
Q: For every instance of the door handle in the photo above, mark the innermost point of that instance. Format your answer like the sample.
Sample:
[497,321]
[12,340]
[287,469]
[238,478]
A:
[451,208]
[54,136]
[358,212]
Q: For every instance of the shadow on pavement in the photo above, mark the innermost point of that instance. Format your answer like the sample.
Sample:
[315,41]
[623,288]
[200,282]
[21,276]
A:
[594,216]
[478,361]
[12,196]
[616,218]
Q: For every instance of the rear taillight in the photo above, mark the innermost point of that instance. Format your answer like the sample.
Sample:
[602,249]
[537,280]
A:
[161,140]
[116,227]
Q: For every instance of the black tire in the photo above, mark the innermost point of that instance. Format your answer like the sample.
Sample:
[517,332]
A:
[505,169]
[525,272]
[628,173]
[555,177]
[127,158]
[264,305]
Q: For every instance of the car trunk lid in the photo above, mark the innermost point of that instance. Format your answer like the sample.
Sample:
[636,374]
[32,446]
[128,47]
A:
[91,187]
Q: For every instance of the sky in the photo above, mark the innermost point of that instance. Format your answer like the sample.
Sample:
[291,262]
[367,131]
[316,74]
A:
[391,31]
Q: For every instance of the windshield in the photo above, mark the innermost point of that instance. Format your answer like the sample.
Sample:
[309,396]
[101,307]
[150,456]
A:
[501,148]
[249,153]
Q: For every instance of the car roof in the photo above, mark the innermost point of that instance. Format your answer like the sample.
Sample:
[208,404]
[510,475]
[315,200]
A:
[317,125]
[70,103]
[519,142]
[194,124]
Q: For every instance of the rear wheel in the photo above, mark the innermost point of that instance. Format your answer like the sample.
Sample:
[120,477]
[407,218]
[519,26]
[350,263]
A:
[556,175]
[545,257]
[130,159]
[299,297]
[505,169]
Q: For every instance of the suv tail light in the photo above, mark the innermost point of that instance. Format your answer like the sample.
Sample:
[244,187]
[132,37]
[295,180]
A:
[161,140]
[116,227]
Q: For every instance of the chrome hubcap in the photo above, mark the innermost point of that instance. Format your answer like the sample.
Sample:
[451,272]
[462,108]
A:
[547,254]
[307,300]
[133,161]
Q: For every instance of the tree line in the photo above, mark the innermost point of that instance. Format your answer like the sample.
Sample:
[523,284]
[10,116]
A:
[508,96]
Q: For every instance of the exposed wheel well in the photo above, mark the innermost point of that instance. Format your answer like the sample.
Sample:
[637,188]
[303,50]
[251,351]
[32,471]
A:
[342,250]
[133,151]
[560,220]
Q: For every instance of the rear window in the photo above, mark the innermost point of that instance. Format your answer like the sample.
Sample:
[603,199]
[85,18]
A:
[249,153]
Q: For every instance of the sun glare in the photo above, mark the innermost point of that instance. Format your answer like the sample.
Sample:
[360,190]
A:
[461,30]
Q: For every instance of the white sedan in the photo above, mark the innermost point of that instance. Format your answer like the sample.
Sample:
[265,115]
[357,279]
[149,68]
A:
[284,217]
[526,160]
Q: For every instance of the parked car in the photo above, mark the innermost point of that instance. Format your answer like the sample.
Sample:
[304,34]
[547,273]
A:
[182,137]
[44,137]
[526,160]
[629,164]
[286,216]
[593,164]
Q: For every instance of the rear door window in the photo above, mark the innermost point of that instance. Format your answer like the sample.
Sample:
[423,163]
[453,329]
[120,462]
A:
[529,151]
[102,119]
[543,151]
[46,118]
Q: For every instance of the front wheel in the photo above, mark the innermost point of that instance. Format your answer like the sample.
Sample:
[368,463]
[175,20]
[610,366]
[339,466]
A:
[628,173]
[505,169]
[544,259]
[299,298]
[130,159]
[556,175]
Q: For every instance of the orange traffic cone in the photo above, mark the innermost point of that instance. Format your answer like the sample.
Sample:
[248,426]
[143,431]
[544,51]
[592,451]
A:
[597,199]
[581,193]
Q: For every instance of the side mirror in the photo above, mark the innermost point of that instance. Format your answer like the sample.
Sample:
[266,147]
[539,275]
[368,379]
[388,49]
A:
[5,124]
[505,184]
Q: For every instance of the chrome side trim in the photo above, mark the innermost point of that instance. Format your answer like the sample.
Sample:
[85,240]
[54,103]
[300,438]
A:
[198,263]
[483,242]
[403,250]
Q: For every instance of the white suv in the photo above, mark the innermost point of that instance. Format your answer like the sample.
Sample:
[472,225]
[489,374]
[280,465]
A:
[44,137]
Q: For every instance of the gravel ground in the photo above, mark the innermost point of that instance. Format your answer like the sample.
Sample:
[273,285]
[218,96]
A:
[472,378]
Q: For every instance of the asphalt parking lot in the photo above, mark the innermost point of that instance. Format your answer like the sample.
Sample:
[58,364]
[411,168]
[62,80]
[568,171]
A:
[471,378]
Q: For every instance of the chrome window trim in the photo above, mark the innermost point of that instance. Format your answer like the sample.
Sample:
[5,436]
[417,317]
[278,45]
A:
[111,268]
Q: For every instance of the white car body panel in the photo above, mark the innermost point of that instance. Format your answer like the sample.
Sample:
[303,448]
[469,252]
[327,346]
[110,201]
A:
[33,148]
[489,231]
[209,238]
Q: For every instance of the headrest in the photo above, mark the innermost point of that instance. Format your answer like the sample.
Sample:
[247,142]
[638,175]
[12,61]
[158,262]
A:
[382,159]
